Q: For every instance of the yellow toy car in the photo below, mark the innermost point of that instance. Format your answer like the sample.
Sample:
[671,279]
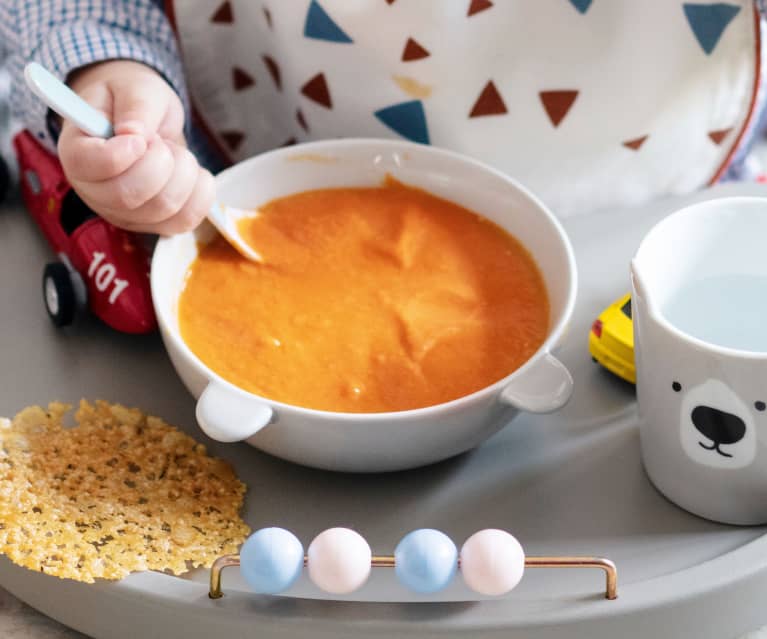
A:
[611,339]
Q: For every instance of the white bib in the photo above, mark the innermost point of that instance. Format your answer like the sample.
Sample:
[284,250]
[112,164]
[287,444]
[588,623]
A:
[590,103]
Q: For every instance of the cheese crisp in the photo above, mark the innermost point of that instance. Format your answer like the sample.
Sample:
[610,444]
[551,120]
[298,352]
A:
[120,492]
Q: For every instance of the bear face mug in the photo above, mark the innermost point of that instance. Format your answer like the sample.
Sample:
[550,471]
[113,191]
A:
[699,286]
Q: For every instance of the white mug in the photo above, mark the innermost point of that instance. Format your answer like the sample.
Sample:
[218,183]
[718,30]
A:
[699,282]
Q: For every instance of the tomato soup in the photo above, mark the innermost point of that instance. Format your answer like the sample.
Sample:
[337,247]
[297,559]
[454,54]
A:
[368,300]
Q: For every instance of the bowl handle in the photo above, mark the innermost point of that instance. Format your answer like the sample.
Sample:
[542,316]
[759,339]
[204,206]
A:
[229,417]
[543,387]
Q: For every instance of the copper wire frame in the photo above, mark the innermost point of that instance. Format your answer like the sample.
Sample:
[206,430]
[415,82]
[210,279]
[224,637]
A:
[387,561]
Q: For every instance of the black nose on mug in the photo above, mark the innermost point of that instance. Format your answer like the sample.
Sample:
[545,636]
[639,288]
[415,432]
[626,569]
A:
[718,426]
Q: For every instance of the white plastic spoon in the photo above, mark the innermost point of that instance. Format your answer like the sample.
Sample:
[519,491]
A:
[61,99]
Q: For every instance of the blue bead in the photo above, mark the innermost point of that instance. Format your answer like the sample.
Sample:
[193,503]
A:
[271,560]
[425,560]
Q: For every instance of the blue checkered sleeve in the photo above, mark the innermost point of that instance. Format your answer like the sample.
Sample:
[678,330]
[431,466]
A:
[64,35]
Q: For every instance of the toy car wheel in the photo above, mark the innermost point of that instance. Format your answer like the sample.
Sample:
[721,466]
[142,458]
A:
[59,294]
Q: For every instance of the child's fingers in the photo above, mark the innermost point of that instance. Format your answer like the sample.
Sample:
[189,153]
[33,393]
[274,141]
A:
[174,194]
[188,217]
[172,125]
[195,208]
[140,183]
[88,159]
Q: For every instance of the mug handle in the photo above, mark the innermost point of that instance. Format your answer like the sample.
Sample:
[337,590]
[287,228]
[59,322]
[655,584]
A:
[543,387]
[229,417]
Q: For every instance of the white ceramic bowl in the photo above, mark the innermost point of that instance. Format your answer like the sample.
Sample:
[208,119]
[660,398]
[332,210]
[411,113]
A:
[371,442]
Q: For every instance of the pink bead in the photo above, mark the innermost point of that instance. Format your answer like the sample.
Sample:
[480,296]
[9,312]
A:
[492,562]
[339,560]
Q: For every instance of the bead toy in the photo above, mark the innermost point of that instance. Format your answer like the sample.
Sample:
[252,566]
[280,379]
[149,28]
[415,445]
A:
[339,561]
[425,560]
[271,560]
[492,562]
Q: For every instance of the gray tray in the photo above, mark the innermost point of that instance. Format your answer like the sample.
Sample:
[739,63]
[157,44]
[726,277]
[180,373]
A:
[567,483]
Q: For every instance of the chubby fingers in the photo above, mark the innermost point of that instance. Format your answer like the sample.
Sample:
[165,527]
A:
[87,159]
[183,201]
[165,192]
[191,213]
[143,180]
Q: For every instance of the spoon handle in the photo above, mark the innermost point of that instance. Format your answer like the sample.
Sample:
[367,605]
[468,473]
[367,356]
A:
[61,99]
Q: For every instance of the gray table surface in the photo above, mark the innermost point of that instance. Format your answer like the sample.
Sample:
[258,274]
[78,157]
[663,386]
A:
[24,252]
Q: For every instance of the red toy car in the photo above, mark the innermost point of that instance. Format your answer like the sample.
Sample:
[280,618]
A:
[100,265]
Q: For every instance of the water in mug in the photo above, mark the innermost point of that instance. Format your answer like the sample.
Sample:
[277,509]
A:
[727,310]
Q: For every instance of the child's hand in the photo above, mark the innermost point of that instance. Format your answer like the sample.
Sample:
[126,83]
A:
[144,178]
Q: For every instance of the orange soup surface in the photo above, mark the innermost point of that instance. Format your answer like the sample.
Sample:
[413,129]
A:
[368,300]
